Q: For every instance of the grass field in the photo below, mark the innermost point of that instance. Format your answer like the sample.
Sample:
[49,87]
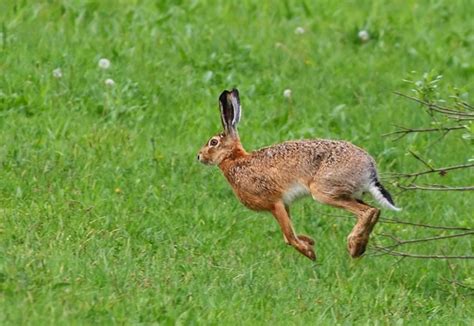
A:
[106,217]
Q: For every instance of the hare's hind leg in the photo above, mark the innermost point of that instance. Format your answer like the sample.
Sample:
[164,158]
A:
[367,217]
[280,212]
[359,237]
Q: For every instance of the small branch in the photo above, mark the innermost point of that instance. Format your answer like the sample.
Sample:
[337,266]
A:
[395,221]
[409,255]
[467,105]
[400,242]
[405,131]
[421,160]
[454,114]
[435,187]
[429,226]
[442,171]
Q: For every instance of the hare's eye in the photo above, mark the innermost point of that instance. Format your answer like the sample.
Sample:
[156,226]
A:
[213,142]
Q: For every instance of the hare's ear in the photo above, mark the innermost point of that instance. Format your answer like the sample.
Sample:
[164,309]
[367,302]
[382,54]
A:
[235,99]
[229,104]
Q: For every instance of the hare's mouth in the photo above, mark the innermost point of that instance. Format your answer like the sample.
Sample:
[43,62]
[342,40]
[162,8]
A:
[202,160]
[205,162]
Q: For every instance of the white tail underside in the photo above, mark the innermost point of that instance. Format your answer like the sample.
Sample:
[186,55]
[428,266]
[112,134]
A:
[377,194]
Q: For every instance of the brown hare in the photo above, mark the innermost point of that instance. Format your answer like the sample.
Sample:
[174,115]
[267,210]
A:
[333,172]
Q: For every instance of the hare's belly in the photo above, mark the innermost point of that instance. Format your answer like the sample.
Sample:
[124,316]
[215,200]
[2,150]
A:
[256,199]
[266,200]
[253,202]
[294,192]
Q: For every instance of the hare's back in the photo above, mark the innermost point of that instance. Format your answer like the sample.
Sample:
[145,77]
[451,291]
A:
[313,153]
[335,162]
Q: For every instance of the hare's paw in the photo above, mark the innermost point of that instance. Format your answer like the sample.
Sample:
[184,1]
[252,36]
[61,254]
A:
[356,245]
[307,250]
[306,239]
[310,253]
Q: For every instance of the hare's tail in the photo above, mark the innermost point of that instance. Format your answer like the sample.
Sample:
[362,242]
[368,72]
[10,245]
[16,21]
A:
[382,195]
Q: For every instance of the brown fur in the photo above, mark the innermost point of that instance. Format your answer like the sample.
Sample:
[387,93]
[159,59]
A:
[333,172]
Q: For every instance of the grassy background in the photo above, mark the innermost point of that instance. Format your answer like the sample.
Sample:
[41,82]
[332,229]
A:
[105,215]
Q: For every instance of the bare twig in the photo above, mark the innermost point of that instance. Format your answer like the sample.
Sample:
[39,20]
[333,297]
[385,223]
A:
[454,114]
[400,242]
[395,221]
[405,131]
[467,105]
[442,171]
[421,160]
[435,187]
[383,250]
[410,255]
[429,226]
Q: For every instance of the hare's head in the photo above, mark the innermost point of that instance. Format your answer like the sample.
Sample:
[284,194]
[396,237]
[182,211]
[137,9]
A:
[225,144]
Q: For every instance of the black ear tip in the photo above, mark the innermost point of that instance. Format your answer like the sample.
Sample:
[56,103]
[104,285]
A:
[223,96]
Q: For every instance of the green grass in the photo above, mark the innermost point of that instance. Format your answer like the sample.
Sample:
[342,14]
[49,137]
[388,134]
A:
[105,215]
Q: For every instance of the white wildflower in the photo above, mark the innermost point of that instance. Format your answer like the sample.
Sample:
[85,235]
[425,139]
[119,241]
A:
[299,30]
[208,76]
[109,82]
[287,93]
[104,63]
[57,73]
[363,36]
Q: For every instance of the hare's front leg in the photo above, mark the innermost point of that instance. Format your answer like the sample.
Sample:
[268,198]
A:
[302,237]
[301,243]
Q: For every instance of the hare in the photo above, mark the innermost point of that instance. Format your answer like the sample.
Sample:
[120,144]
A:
[333,172]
